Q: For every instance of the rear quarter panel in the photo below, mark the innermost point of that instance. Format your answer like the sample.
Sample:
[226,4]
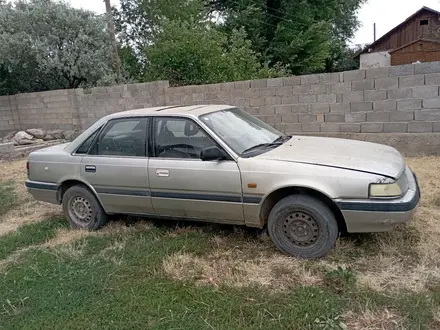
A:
[55,166]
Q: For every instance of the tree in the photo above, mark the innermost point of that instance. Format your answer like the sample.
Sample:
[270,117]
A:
[303,35]
[177,40]
[342,58]
[49,45]
[139,21]
[186,53]
[132,64]
[112,33]
[307,35]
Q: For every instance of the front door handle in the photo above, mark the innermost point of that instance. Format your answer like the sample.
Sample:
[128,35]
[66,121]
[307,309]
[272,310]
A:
[162,173]
[90,168]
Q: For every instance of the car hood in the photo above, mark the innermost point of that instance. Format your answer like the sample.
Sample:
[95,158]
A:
[348,154]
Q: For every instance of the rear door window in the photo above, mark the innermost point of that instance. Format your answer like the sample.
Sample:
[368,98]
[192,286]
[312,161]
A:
[125,137]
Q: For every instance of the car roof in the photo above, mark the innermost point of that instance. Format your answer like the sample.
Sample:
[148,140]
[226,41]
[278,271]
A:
[186,111]
[192,110]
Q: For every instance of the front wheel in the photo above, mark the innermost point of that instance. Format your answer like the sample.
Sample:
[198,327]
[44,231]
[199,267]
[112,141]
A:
[303,227]
[82,209]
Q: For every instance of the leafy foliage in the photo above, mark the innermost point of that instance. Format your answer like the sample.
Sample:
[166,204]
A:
[331,323]
[309,36]
[340,279]
[184,46]
[46,44]
[139,21]
[187,53]
[49,45]
[133,66]
[342,57]
[192,50]
[256,37]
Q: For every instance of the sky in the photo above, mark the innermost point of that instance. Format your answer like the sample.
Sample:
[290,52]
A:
[385,13]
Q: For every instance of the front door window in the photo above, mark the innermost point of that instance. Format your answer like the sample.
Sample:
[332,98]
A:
[179,138]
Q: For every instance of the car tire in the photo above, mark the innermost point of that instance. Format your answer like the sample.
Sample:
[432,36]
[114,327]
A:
[303,227]
[82,209]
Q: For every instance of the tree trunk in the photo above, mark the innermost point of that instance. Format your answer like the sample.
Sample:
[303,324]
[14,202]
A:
[111,29]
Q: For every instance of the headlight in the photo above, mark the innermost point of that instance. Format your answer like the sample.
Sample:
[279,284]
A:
[385,190]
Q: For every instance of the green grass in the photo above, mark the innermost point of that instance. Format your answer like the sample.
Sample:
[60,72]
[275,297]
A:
[91,285]
[31,234]
[8,197]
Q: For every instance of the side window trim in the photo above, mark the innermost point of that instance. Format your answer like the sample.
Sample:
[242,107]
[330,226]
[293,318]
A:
[97,132]
[150,137]
[103,129]
[153,125]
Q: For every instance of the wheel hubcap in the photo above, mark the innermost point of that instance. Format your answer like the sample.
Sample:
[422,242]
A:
[80,210]
[301,229]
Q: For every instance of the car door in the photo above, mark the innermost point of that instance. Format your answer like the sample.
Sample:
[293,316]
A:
[116,166]
[183,185]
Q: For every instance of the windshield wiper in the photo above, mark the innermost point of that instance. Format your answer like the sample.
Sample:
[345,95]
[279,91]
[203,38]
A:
[282,139]
[277,142]
[272,144]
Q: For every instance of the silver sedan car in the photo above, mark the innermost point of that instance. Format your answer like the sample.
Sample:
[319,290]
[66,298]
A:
[217,163]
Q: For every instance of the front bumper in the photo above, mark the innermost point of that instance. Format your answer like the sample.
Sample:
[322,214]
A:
[43,191]
[362,216]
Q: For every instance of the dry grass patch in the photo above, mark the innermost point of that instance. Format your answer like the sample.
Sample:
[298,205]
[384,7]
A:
[120,228]
[31,212]
[16,171]
[13,258]
[383,319]
[28,210]
[234,268]
[111,253]
[61,244]
[66,237]
[407,258]
[392,274]
[436,318]
[393,268]
[181,231]
[428,173]
[65,245]
[69,251]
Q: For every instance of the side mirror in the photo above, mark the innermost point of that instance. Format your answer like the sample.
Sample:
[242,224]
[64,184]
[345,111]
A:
[212,153]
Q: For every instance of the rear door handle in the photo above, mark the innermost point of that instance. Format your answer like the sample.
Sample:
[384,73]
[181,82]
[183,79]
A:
[90,168]
[162,173]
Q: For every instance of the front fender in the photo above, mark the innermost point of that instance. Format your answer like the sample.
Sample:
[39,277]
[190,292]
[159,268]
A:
[320,188]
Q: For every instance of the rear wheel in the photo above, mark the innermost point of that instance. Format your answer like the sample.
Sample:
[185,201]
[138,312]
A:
[82,209]
[303,227]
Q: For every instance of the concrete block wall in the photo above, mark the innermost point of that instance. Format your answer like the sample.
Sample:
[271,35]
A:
[48,110]
[75,109]
[102,101]
[8,116]
[400,99]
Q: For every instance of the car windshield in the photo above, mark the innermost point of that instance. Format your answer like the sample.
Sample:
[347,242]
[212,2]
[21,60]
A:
[242,132]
